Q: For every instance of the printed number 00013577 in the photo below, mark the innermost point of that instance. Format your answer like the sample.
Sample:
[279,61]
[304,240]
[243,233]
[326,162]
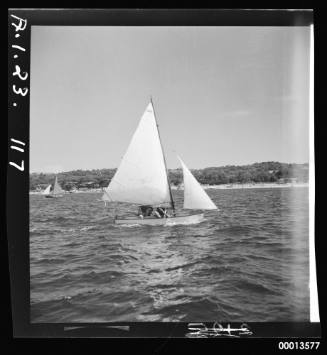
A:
[298,345]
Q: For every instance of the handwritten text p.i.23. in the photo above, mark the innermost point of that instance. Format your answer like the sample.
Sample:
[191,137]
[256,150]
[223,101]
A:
[19,25]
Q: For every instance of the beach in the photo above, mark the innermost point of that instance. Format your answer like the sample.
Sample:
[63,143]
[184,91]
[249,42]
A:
[255,186]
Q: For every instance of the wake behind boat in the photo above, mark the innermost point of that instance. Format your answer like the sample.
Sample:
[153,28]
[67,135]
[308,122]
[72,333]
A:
[142,179]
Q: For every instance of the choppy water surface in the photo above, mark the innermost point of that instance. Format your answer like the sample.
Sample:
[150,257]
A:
[248,262]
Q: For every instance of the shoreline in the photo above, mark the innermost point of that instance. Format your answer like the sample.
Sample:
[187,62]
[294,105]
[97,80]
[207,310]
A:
[255,186]
[206,187]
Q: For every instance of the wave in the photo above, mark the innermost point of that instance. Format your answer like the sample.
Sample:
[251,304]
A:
[47,261]
[68,297]
[128,225]
[251,286]
[77,278]
[102,276]
[183,266]
[86,228]
[194,309]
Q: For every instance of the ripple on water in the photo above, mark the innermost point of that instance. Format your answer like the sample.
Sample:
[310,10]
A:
[249,261]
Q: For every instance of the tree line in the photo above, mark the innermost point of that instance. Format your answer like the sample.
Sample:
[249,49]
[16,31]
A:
[229,174]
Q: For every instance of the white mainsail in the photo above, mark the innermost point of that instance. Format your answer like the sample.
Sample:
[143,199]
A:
[141,177]
[47,190]
[194,195]
[56,188]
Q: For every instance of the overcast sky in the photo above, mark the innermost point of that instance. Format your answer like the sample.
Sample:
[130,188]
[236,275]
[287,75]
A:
[222,95]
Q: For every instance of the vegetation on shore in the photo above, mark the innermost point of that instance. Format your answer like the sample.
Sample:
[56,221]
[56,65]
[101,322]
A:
[266,172]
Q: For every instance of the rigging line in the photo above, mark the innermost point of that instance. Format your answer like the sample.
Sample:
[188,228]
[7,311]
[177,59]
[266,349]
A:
[163,154]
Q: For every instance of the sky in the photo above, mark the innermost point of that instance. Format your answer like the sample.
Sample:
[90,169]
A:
[222,95]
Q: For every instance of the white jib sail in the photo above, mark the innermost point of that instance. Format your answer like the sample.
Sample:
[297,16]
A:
[57,189]
[141,177]
[47,190]
[194,195]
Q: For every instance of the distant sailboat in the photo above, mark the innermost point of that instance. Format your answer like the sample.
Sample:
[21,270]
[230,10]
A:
[47,190]
[142,179]
[56,192]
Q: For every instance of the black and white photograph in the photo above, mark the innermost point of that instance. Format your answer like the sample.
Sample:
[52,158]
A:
[171,174]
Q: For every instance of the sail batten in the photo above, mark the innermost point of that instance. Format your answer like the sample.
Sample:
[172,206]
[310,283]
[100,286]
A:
[194,195]
[141,177]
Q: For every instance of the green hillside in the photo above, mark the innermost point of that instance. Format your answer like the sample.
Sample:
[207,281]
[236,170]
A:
[229,174]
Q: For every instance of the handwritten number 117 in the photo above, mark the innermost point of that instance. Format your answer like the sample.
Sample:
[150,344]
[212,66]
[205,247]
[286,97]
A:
[14,147]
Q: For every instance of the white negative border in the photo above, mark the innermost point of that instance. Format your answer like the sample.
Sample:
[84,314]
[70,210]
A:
[314,307]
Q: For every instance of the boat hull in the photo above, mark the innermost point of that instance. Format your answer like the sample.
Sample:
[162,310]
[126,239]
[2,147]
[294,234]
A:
[53,196]
[191,219]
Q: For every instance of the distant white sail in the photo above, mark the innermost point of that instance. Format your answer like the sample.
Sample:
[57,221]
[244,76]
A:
[47,190]
[194,195]
[141,177]
[56,188]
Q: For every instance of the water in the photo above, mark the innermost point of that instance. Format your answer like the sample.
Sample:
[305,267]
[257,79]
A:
[249,262]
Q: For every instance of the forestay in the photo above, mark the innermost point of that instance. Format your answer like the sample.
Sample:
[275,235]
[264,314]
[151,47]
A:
[141,177]
[194,195]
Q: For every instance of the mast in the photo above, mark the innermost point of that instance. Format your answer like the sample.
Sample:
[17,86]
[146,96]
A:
[164,158]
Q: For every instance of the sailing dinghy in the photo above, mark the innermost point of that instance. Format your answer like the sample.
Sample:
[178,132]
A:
[142,179]
[47,190]
[56,192]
